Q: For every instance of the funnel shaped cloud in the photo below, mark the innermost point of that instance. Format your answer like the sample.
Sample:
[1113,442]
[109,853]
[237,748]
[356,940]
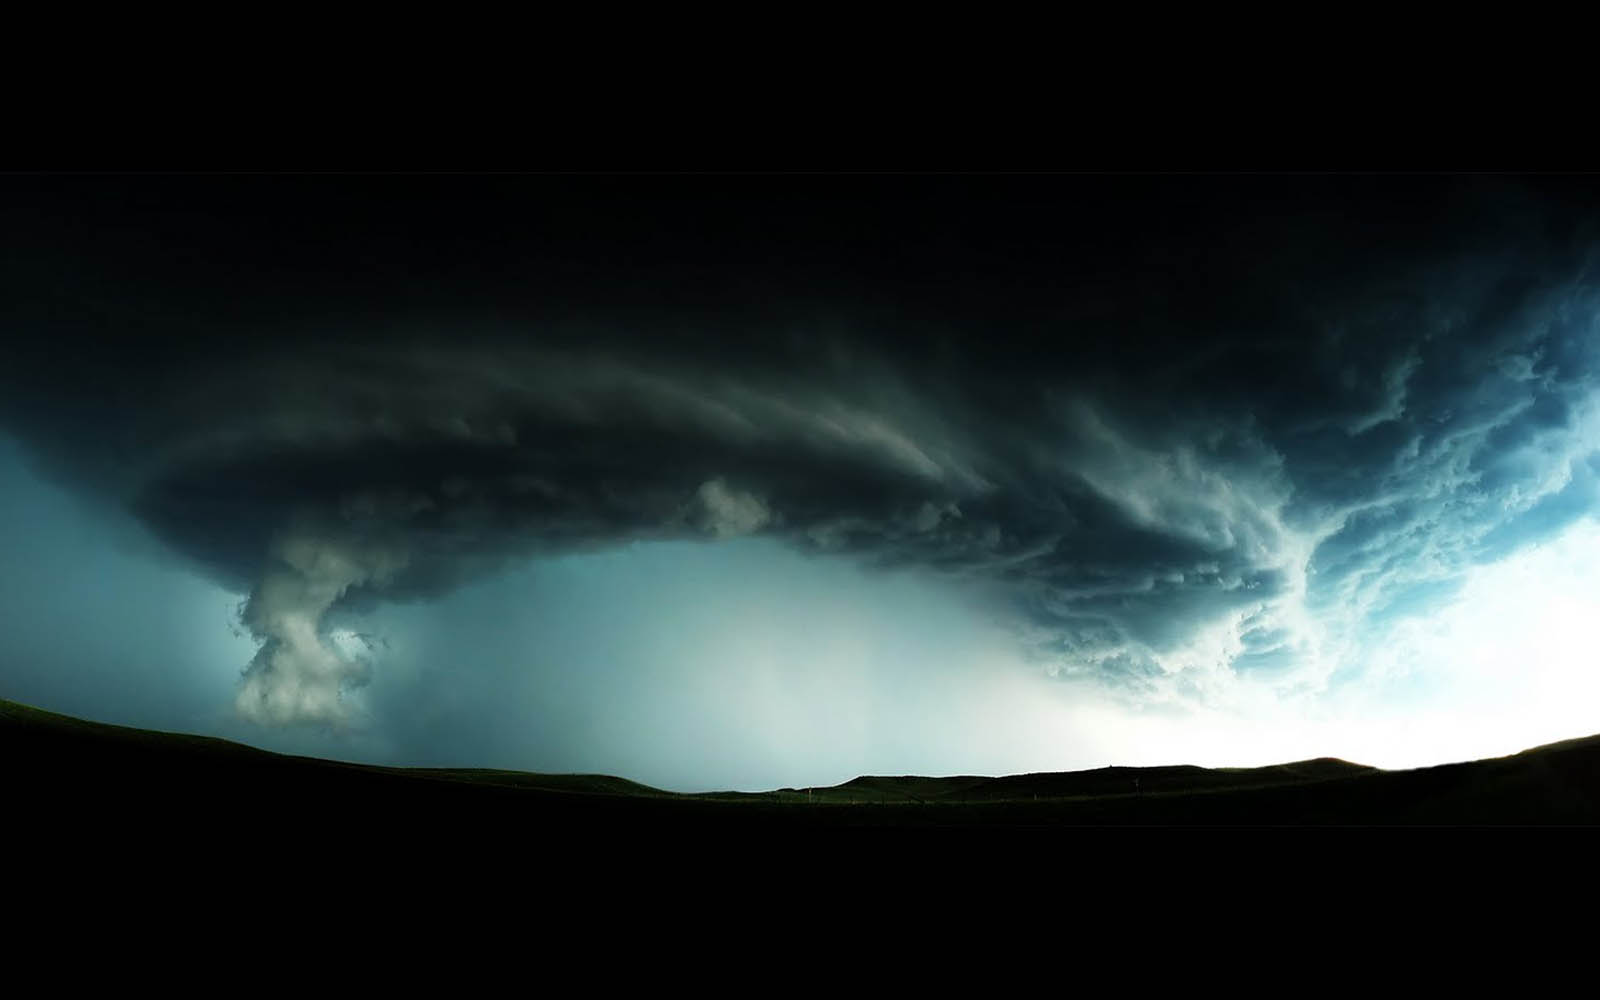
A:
[299,675]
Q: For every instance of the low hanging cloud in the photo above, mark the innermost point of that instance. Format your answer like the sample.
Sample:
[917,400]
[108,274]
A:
[726,513]
[1181,444]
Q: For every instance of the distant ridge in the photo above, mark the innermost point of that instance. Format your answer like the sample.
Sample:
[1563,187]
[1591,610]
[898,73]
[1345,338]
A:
[72,770]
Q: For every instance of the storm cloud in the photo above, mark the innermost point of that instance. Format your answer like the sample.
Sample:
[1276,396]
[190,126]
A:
[1183,430]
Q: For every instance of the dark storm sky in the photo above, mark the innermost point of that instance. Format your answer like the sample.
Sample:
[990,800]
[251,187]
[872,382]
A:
[727,478]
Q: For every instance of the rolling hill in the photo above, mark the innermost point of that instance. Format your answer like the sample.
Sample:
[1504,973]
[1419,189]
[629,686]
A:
[65,773]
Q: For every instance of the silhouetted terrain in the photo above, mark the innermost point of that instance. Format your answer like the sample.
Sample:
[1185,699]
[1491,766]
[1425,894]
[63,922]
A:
[66,774]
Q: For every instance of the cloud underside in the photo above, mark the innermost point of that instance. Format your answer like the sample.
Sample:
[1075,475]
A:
[1243,471]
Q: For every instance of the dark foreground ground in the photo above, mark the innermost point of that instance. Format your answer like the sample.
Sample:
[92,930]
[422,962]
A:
[162,824]
[59,769]
[108,833]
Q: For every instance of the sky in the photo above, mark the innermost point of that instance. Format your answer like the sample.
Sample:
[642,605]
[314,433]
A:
[738,481]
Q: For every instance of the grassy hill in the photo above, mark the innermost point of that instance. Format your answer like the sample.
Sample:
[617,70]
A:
[65,772]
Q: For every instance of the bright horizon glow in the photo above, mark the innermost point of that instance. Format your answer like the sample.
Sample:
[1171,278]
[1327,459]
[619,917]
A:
[807,680]
[742,664]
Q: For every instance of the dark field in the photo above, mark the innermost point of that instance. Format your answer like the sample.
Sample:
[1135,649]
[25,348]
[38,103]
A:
[68,772]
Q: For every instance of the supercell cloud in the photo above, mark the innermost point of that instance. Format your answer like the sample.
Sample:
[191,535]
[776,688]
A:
[1184,433]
